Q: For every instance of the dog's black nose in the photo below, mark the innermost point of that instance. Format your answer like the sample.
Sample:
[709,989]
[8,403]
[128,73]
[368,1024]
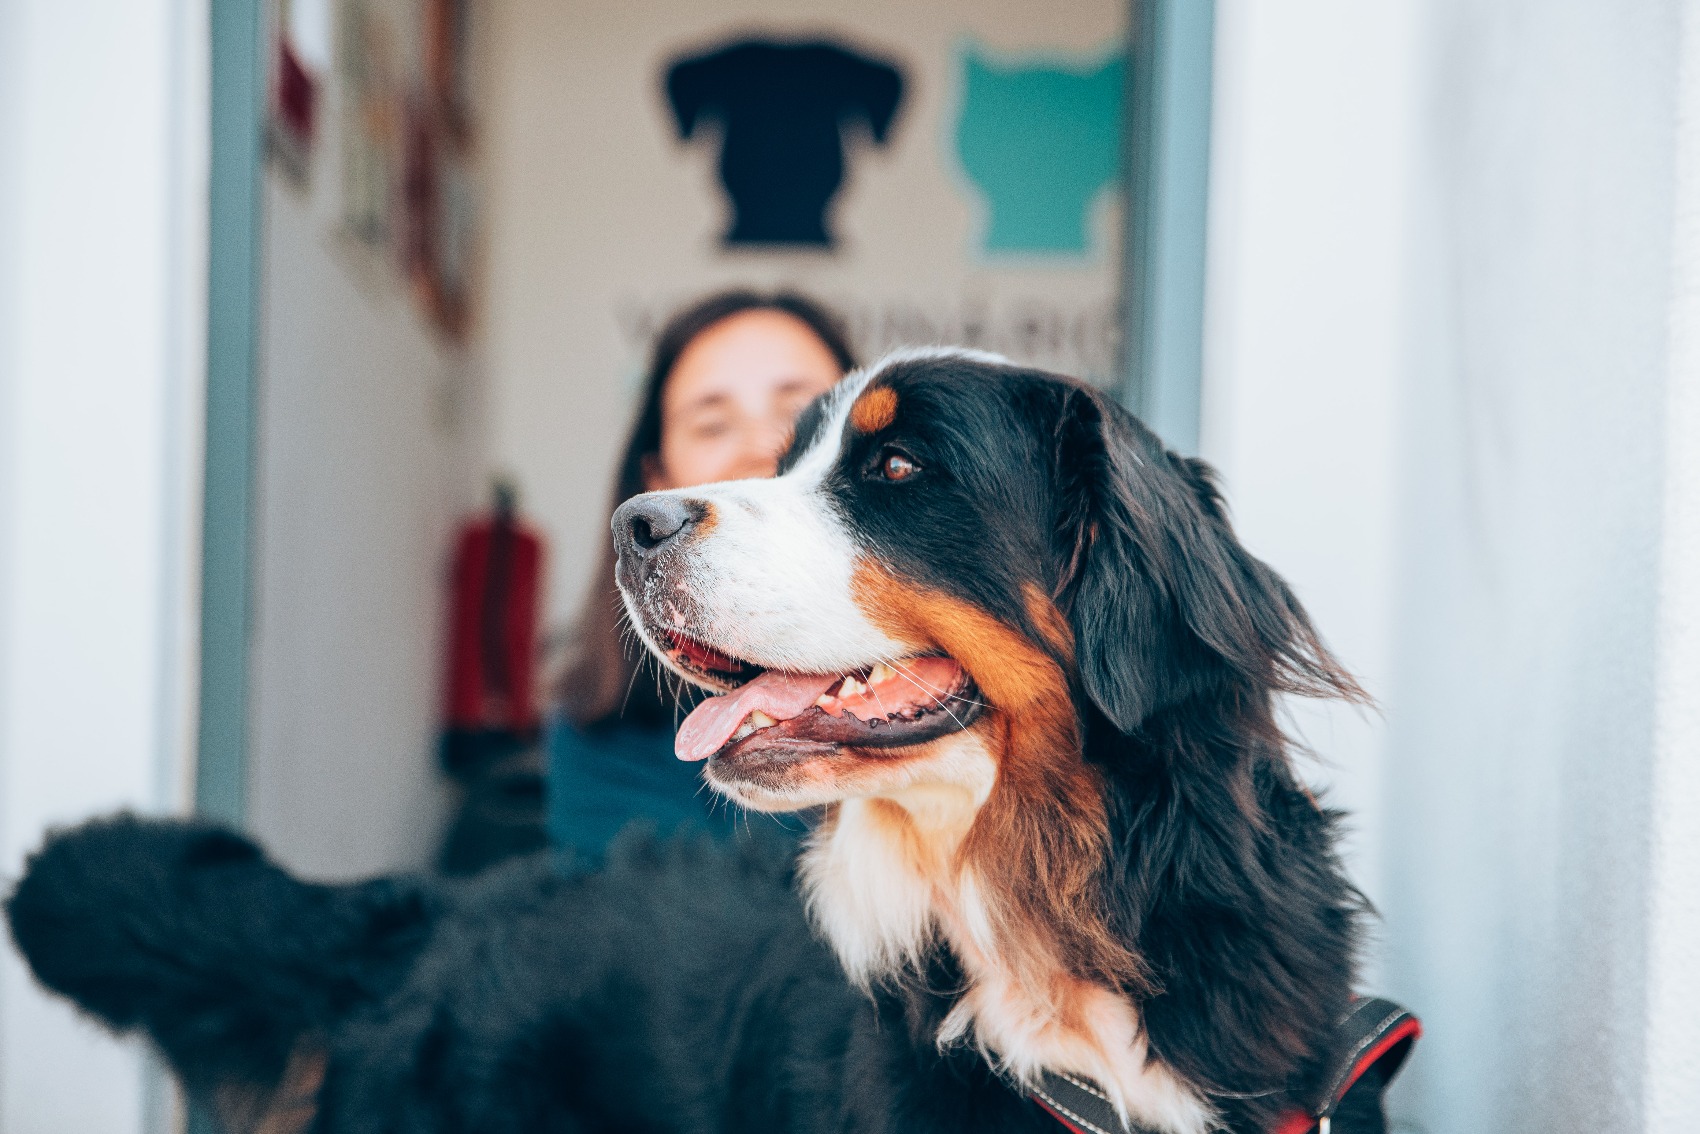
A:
[646,525]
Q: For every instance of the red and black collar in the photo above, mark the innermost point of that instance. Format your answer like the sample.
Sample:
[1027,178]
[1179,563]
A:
[1372,1033]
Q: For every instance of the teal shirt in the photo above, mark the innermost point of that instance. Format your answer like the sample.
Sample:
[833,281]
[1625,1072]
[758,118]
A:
[603,779]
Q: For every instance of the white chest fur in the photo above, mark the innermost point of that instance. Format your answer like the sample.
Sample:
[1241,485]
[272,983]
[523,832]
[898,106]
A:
[884,884]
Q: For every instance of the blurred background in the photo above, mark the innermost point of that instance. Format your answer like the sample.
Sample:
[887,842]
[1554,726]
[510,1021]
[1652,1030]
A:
[285,289]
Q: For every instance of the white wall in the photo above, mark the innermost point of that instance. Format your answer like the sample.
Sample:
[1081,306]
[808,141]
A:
[102,260]
[1449,395]
[369,452]
[1670,1087]
[1534,479]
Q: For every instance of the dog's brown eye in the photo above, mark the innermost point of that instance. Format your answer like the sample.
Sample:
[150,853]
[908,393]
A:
[897,466]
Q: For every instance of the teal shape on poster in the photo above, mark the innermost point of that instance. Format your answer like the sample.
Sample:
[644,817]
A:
[1040,139]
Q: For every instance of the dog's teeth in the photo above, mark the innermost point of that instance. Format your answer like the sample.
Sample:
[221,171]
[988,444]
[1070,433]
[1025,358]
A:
[851,687]
[755,722]
[879,673]
[824,700]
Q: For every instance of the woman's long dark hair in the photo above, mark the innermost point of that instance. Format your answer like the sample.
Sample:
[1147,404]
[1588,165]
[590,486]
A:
[600,683]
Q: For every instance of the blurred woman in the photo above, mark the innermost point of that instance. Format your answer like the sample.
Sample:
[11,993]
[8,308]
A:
[727,380]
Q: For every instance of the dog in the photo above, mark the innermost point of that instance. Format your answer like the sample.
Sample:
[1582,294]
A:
[1008,648]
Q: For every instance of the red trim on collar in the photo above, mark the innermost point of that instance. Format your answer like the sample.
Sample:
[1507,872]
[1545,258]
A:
[1046,1107]
[1297,1120]
[1410,1028]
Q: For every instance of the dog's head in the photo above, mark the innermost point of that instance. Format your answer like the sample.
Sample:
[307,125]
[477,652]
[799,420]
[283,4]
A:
[961,563]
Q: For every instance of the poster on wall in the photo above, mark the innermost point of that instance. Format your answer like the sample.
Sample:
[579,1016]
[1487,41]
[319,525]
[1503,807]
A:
[934,172]
[406,134]
[783,109]
[1029,145]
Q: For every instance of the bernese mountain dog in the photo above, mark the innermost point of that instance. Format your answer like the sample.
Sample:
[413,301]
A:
[1007,649]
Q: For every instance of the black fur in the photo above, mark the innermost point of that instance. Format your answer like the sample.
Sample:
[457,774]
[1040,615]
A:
[184,931]
[1225,870]
[676,989]
[679,989]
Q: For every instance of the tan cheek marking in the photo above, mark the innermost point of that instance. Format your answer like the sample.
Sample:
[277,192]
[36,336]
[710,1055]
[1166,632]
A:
[874,410]
[1014,674]
[1040,839]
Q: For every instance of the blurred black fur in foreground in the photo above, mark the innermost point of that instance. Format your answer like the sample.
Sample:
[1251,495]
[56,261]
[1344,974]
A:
[678,989]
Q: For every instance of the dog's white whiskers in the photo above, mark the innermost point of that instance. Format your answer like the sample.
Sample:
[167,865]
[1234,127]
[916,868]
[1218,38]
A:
[631,683]
[874,693]
[940,696]
[931,691]
[925,687]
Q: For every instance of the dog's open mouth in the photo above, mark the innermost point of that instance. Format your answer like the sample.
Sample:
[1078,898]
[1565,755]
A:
[885,705]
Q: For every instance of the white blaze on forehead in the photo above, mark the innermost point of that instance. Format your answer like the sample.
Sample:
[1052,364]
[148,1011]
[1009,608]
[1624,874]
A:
[937,353]
[828,440]
[815,462]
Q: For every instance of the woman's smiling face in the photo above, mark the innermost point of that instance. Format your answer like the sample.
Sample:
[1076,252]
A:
[732,397]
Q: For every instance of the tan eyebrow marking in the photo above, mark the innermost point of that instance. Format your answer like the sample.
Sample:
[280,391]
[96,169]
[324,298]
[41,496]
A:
[874,410]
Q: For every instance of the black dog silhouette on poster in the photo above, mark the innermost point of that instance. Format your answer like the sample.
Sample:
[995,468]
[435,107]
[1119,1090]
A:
[782,109]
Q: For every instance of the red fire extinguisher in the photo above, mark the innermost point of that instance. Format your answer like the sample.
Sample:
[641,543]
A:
[491,703]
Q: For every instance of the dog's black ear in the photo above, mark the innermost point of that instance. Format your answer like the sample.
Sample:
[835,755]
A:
[1164,602]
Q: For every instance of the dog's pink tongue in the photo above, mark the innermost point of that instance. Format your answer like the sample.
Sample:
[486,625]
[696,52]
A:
[779,695]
